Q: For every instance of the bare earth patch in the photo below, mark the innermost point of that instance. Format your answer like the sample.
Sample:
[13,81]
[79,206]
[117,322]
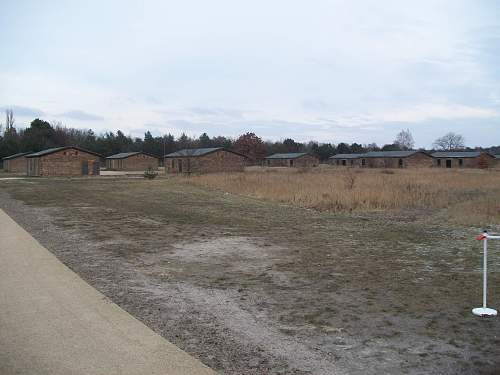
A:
[253,287]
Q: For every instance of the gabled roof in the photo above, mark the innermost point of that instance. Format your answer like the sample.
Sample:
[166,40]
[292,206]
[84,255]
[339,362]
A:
[124,155]
[291,155]
[194,152]
[46,152]
[458,154]
[57,149]
[389,154]
[346,156]
[16,155]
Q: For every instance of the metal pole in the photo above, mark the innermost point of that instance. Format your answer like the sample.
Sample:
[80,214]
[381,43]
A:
[485,270]
[485,311]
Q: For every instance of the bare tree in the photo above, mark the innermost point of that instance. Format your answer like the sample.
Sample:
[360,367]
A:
[404,140]
[9,120]
[449,142]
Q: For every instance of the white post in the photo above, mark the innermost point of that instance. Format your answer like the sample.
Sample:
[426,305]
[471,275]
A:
[485,311]
[485,270]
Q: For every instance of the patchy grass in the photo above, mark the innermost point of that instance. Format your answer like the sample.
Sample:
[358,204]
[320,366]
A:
[468,196]
[236,280]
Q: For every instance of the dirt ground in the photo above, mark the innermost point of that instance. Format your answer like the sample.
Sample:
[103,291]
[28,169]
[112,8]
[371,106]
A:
[253,287]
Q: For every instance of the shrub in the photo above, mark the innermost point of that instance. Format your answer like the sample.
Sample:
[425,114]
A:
[150,173]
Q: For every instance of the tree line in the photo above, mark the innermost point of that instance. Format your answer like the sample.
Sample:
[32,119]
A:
[41,135]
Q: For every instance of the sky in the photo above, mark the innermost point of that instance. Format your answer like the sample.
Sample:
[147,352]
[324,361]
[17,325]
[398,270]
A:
[325,70]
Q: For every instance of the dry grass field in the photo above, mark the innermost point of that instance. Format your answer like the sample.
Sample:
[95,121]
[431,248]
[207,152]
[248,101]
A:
[261,286]
[469,196]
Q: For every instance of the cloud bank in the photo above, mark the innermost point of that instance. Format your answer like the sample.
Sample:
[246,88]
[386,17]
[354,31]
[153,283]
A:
[331,71]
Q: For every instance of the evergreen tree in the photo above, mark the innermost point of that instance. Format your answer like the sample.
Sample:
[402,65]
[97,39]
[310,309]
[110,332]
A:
[356,148]
[204,141]
[343,148]
[39,136]
[392,147]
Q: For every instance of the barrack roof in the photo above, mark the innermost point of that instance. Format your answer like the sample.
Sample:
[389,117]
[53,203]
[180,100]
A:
[57,149]
[16,155]
[290,155]
[194,152]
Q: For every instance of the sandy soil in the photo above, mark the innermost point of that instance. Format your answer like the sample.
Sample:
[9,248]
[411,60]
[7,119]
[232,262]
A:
[258,288]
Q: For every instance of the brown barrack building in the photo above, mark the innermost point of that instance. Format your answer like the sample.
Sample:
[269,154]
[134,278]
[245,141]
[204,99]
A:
[293,159]
[63,161]
[131,161]
[395,159]
[345,160]
[463,159]
[204,160]
[16,163]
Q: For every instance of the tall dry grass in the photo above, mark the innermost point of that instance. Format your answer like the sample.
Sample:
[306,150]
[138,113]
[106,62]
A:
[465,194]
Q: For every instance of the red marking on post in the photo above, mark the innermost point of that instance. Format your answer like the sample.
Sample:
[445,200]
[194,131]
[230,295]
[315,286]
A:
[481,237]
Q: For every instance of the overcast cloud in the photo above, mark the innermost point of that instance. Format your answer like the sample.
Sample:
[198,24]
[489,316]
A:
[330,71]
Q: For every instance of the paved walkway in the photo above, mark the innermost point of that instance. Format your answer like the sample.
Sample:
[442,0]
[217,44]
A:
[52,322]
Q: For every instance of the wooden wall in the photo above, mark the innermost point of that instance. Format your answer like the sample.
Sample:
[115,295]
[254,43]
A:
[17,165]
[417,160]
[482,161]
[306,161]
[138,162]
[69,162]
[218,161]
